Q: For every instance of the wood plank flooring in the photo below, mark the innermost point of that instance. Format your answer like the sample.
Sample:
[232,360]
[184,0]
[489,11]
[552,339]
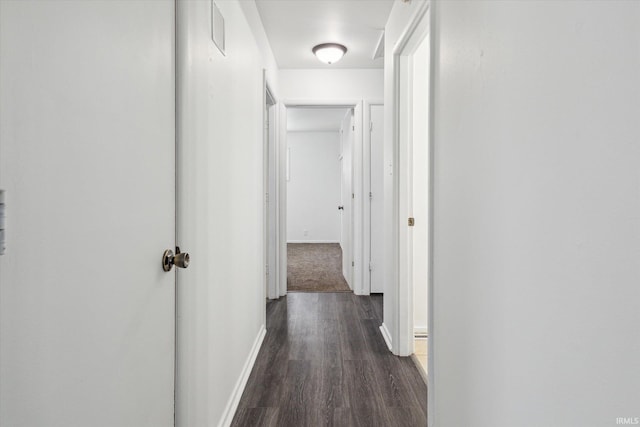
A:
[324,363]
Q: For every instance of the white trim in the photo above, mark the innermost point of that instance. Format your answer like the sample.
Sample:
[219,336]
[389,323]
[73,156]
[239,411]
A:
[313,103]
[281,197]
[234,400]
[312,130]
[423,373]
[433,69]
[271,106]
[366,185]
[386,335]
[358,202]
[312,241]
[287,167]
[420,331]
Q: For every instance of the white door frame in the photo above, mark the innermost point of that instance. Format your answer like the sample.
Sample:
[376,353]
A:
[418,29]
[407,44]
[271,108]
[366,173]
[358,205]
[281,200]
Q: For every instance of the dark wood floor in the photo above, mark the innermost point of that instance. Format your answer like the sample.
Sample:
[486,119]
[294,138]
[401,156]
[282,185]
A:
[324,363]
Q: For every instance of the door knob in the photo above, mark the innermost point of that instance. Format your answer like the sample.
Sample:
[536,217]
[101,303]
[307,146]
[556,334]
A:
[341,208]
[180,259]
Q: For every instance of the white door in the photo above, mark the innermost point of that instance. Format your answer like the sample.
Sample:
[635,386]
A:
[87,162]
[377,198]
[346,234]
[420,184]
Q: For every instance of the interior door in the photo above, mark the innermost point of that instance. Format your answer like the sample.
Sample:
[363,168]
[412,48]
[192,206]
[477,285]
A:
[419,252]
[377,198]
[346,219]
[87,163]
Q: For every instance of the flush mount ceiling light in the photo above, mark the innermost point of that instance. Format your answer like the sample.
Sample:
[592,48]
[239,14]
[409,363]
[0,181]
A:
[329,53]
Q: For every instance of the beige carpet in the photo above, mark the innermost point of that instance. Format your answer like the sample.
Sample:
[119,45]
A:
[315,267]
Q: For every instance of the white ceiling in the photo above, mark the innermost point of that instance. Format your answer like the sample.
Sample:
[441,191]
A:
[315,119]
[294,27]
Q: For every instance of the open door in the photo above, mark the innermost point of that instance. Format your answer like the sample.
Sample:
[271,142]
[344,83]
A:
[346,192]
[420,187]
[87,141]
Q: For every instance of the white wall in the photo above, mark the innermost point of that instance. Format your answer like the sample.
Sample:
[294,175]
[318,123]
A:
[221,299]
[313,189]
[268,60]
[420,184]
[537,213]
[338,84]
[351,86]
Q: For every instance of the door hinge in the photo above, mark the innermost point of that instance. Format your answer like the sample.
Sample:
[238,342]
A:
[370,126]
[353,195]
[412,222]
[266,269]
[353,127]
[353,263]
[370,195]
[266,197]
[370,266]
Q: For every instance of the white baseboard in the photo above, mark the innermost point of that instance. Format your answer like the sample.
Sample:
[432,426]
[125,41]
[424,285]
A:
[362,292]
[234,400]
[423,373]
[386,335]
[420,331]
[312,241]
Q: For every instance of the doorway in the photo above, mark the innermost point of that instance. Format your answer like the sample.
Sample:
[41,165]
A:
[412,192]
[319,186]
[353,243]
[419,250]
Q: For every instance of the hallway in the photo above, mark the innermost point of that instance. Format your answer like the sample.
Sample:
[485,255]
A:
[324,363]
[483,176]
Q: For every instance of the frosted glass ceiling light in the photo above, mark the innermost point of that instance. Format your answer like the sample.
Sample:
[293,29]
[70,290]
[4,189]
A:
[329,53]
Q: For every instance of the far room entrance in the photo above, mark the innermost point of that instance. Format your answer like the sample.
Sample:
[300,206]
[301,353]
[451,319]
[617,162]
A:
[319,186]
